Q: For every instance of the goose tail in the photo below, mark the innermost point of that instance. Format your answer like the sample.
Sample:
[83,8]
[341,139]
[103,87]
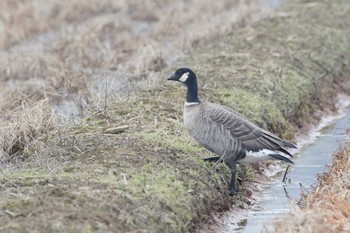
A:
[281,157]
[265,154]
[289,145]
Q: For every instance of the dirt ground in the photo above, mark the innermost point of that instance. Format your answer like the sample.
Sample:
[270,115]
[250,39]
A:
[69,71]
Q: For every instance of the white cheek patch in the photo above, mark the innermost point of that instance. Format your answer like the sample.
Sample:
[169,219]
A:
[184,77]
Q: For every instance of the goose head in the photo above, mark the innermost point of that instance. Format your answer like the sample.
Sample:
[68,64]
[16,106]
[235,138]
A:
[187,77]
[184,75]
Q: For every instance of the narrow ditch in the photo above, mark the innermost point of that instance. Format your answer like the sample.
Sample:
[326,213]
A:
[312,159]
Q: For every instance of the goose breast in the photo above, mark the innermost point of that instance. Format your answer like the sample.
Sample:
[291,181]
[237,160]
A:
[210,134]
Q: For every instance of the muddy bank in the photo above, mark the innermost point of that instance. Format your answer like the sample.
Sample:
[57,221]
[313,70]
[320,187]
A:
[150,178]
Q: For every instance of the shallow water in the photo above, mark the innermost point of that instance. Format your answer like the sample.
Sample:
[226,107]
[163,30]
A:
[312,159]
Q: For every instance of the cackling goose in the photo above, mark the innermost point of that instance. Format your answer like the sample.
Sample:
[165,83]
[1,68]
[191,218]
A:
[225,133]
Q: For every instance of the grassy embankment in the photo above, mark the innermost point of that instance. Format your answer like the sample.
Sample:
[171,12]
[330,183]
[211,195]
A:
[277,73]
[327,208]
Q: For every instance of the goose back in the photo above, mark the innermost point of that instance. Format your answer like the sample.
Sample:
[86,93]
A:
[223,131]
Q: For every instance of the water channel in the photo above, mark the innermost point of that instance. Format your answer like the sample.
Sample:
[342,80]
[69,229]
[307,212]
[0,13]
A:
[313,158]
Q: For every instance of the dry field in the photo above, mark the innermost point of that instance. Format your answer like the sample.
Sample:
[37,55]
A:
[69,71]
[74,56]
[327,208]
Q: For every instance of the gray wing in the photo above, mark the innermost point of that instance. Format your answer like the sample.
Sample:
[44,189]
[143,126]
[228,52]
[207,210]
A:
[251,136]
[214,136]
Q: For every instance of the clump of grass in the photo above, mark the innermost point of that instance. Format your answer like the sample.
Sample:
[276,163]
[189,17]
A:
[149,58]
[327,207]
[22,126]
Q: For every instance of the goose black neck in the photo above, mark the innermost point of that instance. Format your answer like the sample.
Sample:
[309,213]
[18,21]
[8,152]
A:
[192,91]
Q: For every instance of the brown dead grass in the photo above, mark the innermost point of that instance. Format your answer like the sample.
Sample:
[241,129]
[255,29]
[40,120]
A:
[327,207]
[78,55]
[22,126]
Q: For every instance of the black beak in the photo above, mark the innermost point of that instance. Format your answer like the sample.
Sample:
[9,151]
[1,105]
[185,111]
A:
[173,77]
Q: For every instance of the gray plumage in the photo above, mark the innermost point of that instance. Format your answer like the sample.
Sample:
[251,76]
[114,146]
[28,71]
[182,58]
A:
[226,133]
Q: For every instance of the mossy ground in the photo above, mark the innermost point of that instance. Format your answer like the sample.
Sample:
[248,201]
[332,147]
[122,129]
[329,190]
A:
[151,178]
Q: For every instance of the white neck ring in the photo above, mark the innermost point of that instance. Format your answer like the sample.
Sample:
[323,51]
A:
[191,103]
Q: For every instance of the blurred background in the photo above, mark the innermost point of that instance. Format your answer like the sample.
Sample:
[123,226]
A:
[74,55]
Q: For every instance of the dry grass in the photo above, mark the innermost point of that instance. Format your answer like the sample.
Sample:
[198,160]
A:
[76,178]
[78,55]
[22,126]
[327,207]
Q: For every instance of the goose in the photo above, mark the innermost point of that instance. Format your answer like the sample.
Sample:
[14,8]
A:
[226,133]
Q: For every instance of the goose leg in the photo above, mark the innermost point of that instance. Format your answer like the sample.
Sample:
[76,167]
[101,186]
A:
[232,188]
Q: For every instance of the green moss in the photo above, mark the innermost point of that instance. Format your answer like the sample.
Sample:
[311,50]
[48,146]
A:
[162,138]
[28,174]
[167,188]
[18,206]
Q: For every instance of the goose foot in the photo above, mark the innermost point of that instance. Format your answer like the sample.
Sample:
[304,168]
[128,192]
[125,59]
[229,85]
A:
[212,159]
[232,191]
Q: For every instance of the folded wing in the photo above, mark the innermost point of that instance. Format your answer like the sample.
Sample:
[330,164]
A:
[251,136]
